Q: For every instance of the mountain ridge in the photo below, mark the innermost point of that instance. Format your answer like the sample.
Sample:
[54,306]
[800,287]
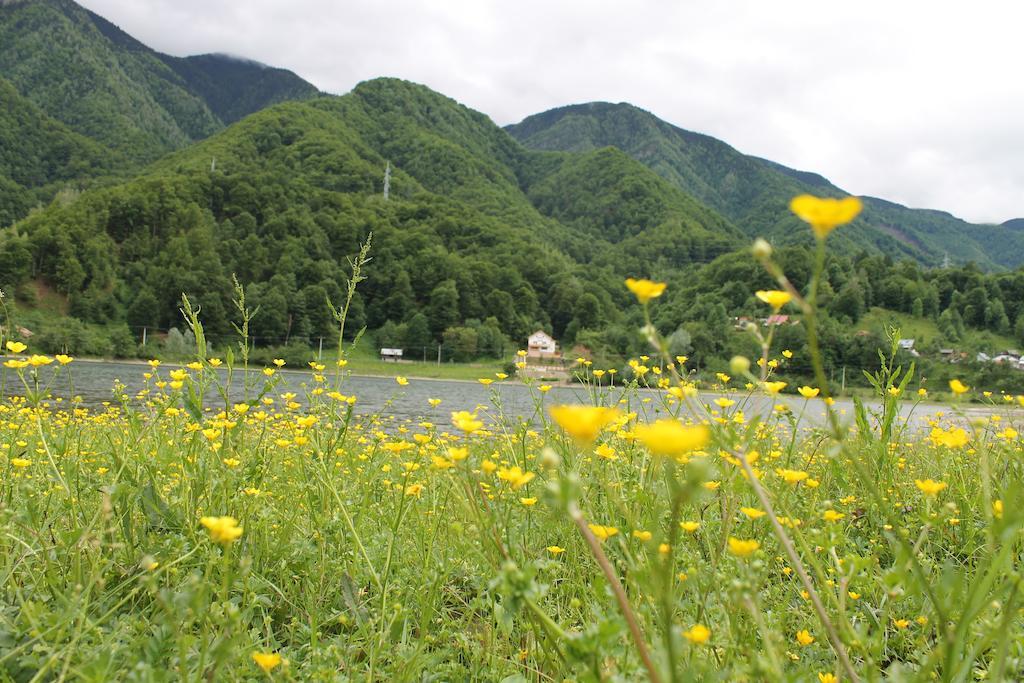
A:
[753,192]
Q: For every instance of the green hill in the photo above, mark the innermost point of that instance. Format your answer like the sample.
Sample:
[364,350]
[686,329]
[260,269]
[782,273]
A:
[753,193]
[39,155]
[233,87]
[100,82]
[476,228]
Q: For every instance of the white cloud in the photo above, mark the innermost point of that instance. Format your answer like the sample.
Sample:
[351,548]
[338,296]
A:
[918,102]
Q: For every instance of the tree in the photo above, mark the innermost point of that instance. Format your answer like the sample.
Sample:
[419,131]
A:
[461,343]
[144,311]
[417,334]
[849,301]
[443,309]
[400,301]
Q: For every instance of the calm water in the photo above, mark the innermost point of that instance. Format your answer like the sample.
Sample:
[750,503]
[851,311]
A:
[94,381]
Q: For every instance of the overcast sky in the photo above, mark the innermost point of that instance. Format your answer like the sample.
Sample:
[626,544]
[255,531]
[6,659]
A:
[918,102]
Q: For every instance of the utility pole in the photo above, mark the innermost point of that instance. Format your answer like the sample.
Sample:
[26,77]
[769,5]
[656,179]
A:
[438,354]
[143,336]
[213,164]
[387,181]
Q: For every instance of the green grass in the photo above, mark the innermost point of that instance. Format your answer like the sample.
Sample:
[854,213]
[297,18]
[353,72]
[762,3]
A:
[926,333]
[377,549]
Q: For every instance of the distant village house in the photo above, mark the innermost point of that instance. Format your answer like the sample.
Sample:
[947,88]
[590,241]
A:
[541,345]
[391,355]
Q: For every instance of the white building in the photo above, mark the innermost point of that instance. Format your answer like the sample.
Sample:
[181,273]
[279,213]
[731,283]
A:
[541,345]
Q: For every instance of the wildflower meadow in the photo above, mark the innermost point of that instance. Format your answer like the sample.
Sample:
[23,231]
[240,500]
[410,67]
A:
[651,533]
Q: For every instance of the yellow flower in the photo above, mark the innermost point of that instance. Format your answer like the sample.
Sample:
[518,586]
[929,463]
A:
[402,381]
[776,298]
[515,476]
[241,408]
[15,347]
[954,437]
[414,490]
[466,421]
[753,513]
[528,501]
[63,359]
[825,214]
[214,362]
[35,360]
[555,550]
[741,548]
[222,530]
[698,634]
[773,387]
[930,487]
[266,660]
[671,438]
[583,423]
[901,623]
[689,527]
[958,387]
[645,290]
[808,392]
[804,637]
[602,533]
[997,509]
[792,476]
[827,677]
[643,535]
[20,462]
[832,516]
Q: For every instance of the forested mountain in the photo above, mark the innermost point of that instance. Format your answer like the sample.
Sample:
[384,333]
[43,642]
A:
[85,72]
[81,100]
[476,228]
[39,154]
[753,192]
[233,87]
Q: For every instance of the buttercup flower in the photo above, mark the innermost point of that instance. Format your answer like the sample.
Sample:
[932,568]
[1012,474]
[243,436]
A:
[583,423]
[645,290]
[223,530]
[741,548]
[825,214]
[267,661]
[671,438]
[775,298]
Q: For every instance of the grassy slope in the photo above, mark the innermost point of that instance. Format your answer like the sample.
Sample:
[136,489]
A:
[927,333]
